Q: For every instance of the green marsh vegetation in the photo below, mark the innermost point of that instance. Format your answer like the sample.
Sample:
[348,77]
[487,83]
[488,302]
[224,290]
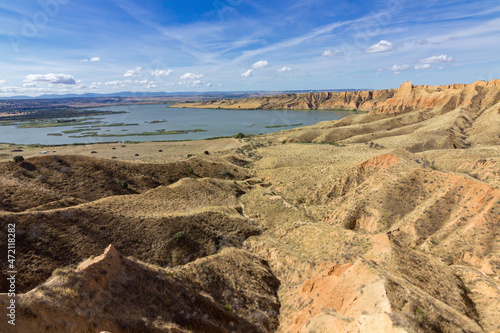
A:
[57,123]
[115,125]
[274,126]
[156,121]
[157,132]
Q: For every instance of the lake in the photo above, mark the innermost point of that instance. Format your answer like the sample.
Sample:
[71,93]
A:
[159,117]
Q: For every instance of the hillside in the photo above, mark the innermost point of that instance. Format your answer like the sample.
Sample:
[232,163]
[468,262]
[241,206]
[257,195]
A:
[349,100]
[385,221]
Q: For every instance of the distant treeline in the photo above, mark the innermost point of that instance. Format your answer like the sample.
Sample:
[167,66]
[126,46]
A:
[56,113]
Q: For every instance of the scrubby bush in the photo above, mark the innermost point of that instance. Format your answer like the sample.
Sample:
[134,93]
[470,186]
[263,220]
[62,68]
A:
[240,136]
[206,152]
[124,184]
[57,271]
[18,159]
[179,235]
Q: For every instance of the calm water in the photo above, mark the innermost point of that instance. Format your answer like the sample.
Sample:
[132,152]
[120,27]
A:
[215,122]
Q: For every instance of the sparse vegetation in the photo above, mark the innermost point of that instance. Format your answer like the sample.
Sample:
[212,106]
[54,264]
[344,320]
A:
[421,315]
[57,272]
[272,234]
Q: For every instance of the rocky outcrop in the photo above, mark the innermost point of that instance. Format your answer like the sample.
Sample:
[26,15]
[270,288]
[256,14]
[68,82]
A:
[389,101]
[408,97]
[396,298]
[417,118]
[349,100]
[118,294]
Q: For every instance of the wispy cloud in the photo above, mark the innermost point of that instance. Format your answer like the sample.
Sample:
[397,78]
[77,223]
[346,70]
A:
[290,42]
[436,59]
[329,53]
[399,68]
[382,46]
[331,41]
[116,83]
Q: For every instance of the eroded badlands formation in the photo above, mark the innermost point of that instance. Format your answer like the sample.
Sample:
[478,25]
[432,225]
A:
[385,221]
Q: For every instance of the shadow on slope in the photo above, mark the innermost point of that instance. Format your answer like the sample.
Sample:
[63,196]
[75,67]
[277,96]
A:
[233,291]
[48,182]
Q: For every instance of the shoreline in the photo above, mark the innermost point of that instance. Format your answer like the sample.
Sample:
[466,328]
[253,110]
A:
[139,151]
[219,107]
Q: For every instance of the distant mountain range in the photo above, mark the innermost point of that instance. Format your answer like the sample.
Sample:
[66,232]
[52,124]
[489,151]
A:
[217,94]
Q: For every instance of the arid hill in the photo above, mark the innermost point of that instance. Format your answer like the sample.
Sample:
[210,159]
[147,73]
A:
[386,221]
[349,100]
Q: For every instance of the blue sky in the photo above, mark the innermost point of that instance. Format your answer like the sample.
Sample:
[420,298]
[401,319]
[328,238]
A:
[75,46]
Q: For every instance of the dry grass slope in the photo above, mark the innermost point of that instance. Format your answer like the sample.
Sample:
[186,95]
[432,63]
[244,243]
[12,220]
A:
[380,222]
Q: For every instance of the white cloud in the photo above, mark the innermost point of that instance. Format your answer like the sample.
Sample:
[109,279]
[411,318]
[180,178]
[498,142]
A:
[397,73]
[115,84]
[93,59]
[210,85]
[247,73]
[260,64]
[397,68]
[9,89]
[152,85]
[191,76]
[3,81]
[329,53]
[95,85]
[285,69]
[142,82]
[436,59]
[29,85]
[161,72]
[422,66]
[50,78]
[133,72]
[382,46]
